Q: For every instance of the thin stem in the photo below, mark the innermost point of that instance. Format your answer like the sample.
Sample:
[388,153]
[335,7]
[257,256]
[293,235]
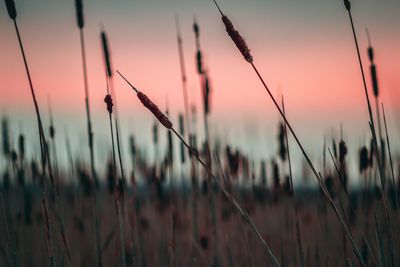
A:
[390,158]
[40,126]
[183,78]
[88,117]
[298,233]
[319,179]
[373,131]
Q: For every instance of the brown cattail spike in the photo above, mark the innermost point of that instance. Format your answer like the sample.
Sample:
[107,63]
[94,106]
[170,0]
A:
[374,80]
[347,5]
[106,53]
[155,110]
[196,29]
[12,12]
[109,103]
[237,39]
[79,13]
[370,49]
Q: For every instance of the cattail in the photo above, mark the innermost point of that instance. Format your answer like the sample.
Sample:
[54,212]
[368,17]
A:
[334,148]
[155,110]
[52,131]
[5,137]
[182,132]
[155,133]
[196,29]
[263,173]
[79,13]
[21,146]
[347,5]
[199,60]
[109,102]
[237,39]
[374,80]
[106,53]
[207,93]
[281,141]
[12,12]
[199,56]
[364,162]
[342,151]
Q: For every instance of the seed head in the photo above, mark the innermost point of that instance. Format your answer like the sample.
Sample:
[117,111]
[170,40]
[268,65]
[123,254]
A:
[342,151]
[347,5]
[374,80]
[364,161]
[155,110]
[79,13]
[106,53]
[109,103]
[237,39]
[12,12]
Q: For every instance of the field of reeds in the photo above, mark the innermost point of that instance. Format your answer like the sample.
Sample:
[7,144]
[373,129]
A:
[205,204]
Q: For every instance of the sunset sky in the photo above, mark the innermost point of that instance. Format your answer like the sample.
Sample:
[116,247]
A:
[304,49]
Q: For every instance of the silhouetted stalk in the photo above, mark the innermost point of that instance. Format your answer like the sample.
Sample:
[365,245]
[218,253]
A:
[211,198]
[87,106]
[183,78]
[168,124]
[375,141]
[45,157]
[390,158]
[50,246]
[298,232]
[109,102]
[240,43]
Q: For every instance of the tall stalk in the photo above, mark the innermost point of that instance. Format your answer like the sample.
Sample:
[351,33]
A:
[296,212]
[245,51]
[374,138]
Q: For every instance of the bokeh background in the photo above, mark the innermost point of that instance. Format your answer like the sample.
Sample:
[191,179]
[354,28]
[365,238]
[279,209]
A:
[304,49]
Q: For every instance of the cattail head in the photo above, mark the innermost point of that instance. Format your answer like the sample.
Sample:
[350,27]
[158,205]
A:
[207,92]
[342,151]
[21,145]
[5,137]
[182,132]
[155,110]
[371,53]
[199,61]
[196,28]
[109,103]
[12,12]
[281,141]
[79,13]
[363,165]
[347,4]
[374,80]
[237,39]
[52,131]
[106,52]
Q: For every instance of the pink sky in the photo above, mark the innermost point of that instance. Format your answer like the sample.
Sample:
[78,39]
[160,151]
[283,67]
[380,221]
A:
[303,50]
